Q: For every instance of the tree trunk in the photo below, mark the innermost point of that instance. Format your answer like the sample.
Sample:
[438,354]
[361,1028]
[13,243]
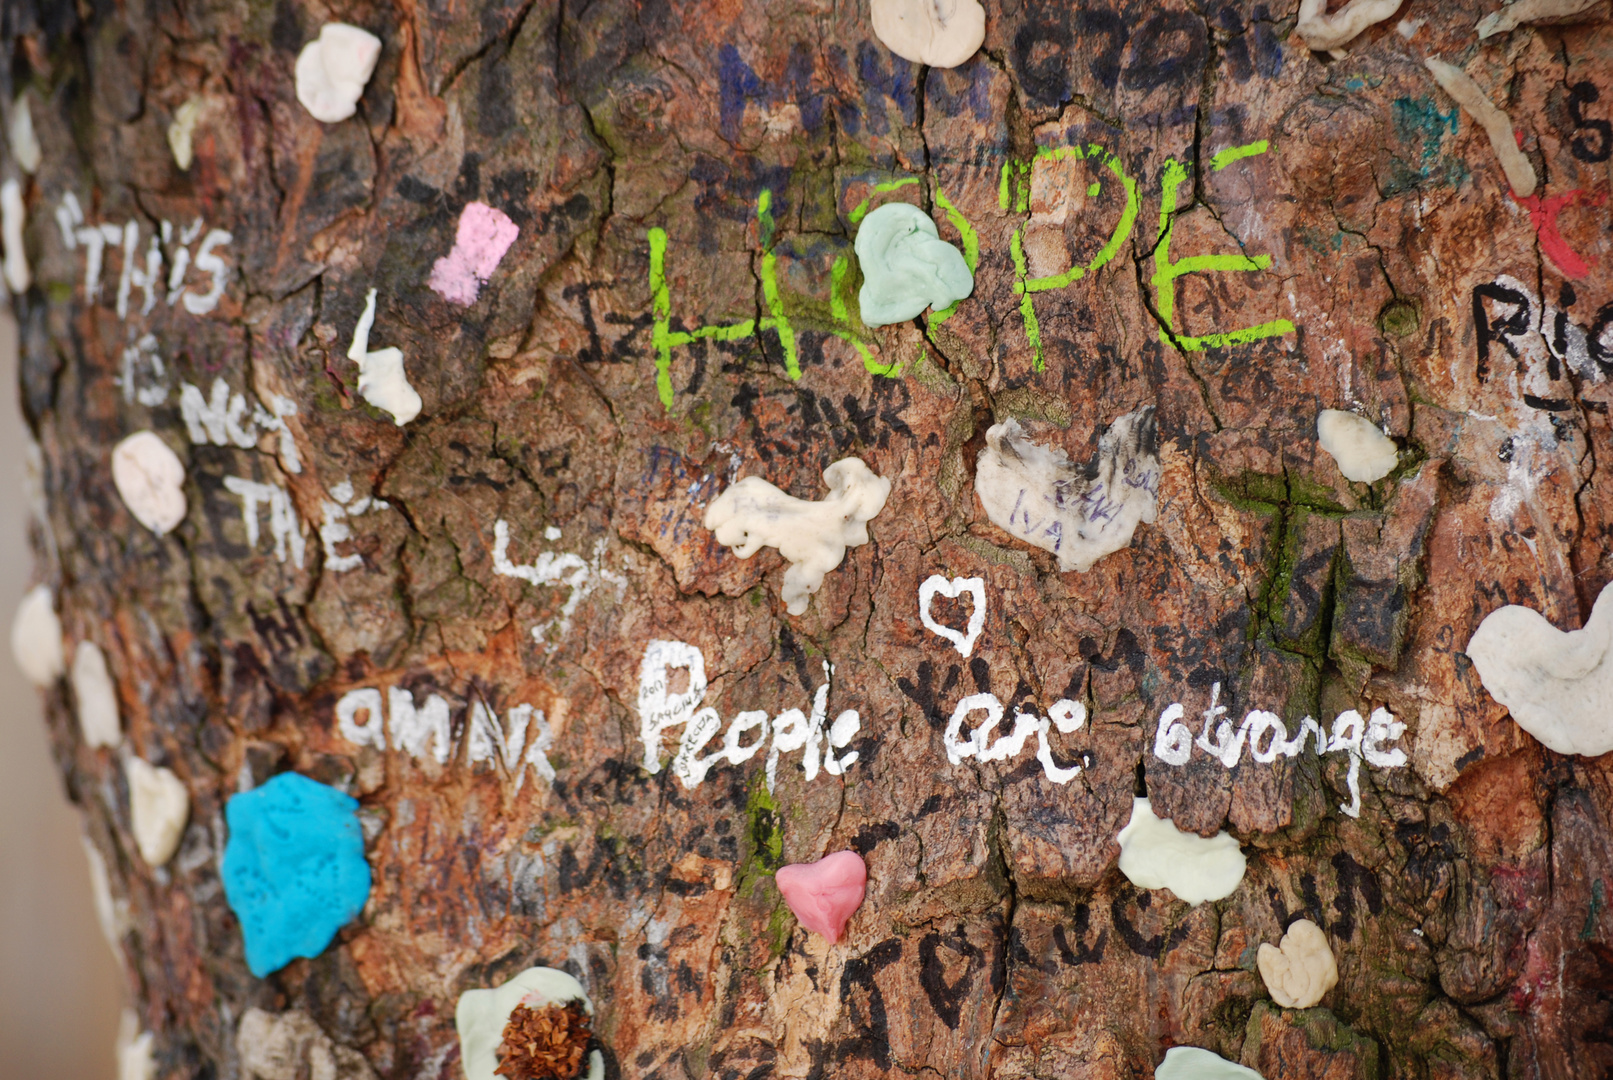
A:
[505,628]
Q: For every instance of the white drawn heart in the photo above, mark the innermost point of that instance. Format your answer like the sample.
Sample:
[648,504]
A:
[975,587]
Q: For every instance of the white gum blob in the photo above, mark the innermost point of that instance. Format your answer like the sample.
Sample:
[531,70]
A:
[1497,125]
[1556,685]
[1191,1063]
[95,696]
[36,637]
[1330,33]
[1155,854]
[151,479]
[813,536]
[940,33]
[25,149]
[112,915]
[1300,969]
[1526,12]
[13,215]
[1364,454]
[159,806]
[906,266]
[481,1016]
[333,69]
[381,379]
[134,1048]
[182,130]
[1034,492]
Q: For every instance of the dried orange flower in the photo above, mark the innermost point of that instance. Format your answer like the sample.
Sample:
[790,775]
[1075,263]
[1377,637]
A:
[545,1044]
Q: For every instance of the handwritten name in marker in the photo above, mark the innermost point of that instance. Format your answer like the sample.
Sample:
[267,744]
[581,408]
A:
[484,235]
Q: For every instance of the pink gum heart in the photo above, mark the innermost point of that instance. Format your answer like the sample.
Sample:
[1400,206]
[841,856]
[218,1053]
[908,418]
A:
[484,235]
[823,894]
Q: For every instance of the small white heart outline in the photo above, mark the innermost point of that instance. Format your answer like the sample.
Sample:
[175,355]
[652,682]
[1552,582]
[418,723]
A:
[976,587]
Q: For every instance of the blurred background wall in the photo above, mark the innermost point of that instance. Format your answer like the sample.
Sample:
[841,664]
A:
[60,988]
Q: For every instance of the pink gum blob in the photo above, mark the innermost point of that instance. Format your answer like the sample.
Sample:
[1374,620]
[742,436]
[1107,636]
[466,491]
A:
[484,235]
[823,894]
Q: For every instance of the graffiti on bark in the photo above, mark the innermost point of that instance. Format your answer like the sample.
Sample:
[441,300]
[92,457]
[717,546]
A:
[144,272]
[426,731]
[662,707]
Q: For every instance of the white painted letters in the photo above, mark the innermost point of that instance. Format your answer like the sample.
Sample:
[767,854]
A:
[1266,737]
[144,271]
[426,730]
[935,585]
[338,509]
[554,568]
[661,709]
[1068,715]
[284,527]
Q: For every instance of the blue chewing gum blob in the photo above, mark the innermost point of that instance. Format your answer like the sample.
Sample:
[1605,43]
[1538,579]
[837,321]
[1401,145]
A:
[294,870]
[906,266]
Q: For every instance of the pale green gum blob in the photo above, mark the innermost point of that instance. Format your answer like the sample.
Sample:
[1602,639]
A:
[906,266]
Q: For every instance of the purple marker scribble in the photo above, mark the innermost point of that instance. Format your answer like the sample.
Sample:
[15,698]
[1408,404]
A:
[1097,507]
[1145,479]
[484,235]
[1021,509]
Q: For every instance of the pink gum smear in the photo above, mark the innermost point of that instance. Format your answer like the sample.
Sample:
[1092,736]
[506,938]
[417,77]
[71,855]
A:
[484,235]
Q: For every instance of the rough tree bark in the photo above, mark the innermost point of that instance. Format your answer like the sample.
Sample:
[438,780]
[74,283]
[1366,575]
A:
[577,409]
